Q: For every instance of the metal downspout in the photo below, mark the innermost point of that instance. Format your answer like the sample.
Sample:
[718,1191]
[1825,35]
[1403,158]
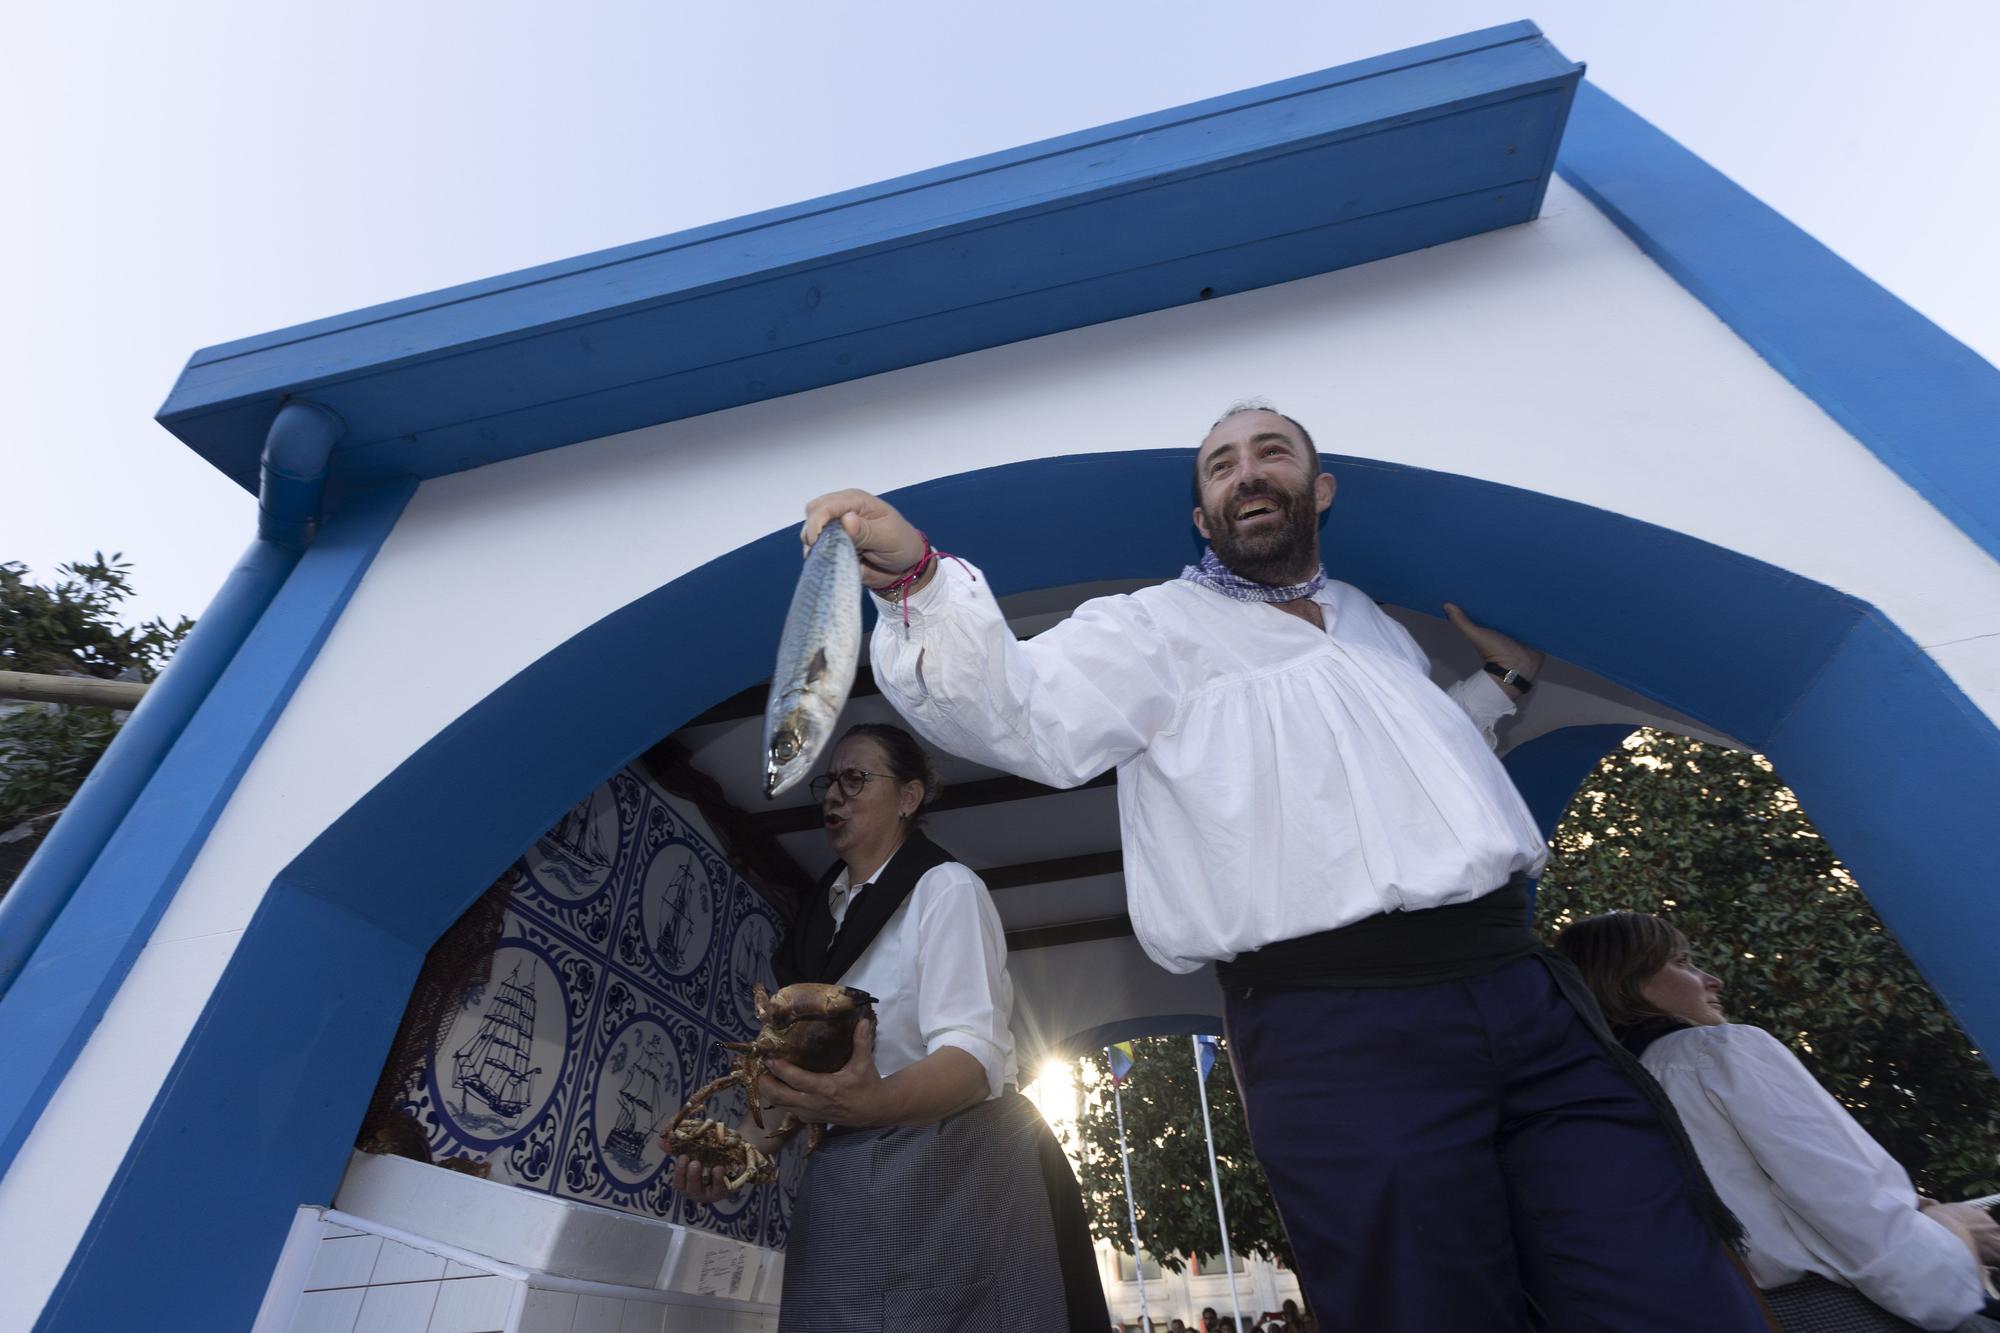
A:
[297,451]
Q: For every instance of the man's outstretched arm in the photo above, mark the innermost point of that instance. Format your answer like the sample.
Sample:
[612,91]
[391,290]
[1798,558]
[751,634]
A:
[1079,699]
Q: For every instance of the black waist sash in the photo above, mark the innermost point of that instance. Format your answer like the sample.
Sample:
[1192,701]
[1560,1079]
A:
[1397,948]
[1450,944]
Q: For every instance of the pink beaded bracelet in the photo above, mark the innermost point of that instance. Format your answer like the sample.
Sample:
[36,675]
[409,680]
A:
[898,591]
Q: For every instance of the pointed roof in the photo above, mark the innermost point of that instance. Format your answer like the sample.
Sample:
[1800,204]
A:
[1348,165]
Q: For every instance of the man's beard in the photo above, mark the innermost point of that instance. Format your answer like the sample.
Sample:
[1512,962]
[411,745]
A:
[1278,553]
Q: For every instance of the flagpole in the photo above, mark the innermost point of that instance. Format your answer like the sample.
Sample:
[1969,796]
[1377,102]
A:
[1215,1176]
[1125,1159]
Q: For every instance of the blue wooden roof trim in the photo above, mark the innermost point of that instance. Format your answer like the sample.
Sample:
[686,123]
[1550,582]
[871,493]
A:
[1348,165]
[1305,83]
[1916,397]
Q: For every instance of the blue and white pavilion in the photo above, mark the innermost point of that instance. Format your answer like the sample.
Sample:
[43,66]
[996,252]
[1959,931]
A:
[520,539]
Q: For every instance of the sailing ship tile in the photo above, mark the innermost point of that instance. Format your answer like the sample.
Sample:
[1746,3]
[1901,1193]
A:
[641,1067]
[667,928]
[574,874]
[499,1087]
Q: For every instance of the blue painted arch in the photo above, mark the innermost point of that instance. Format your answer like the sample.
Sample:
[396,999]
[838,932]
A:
[1816,679]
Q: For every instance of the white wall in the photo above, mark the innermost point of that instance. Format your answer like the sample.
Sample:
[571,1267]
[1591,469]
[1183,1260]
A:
[343,1274]
[1553,357]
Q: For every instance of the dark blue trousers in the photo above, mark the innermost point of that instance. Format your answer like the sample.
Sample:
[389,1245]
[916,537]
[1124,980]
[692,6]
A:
[1443,1154]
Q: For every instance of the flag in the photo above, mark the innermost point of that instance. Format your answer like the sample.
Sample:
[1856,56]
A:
[1205,1048]
[1120,1056]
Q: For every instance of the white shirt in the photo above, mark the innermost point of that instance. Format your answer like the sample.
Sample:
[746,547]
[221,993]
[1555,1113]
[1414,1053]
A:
[1273,780]
[938,972]
[1815,1193]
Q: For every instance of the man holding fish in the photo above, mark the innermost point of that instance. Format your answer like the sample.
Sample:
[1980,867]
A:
[1450,1134]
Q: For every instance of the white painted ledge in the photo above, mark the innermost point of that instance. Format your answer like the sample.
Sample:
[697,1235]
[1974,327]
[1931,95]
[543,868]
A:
[551,1243]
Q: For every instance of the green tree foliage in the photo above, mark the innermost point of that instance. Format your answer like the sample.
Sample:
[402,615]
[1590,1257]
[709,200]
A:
[1713,840]
[1170,1181]
[69,628]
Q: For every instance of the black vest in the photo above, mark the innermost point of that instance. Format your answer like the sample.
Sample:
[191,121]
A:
[812,950]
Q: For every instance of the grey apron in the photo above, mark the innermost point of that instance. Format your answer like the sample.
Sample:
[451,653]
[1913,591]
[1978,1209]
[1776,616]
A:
[970,1225]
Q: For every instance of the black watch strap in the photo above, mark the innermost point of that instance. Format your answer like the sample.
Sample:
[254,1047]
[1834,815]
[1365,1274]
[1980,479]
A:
[1509,676]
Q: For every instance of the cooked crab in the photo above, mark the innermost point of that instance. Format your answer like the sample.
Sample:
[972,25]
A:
[809,1023]
[715,1144]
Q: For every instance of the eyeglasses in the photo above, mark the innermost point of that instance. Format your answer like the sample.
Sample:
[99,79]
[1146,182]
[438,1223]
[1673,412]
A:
[851,780]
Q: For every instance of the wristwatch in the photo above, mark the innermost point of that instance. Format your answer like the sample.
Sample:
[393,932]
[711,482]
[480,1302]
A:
[1509,676]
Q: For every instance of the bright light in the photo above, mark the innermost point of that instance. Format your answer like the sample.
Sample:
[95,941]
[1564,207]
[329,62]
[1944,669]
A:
[1054,1093]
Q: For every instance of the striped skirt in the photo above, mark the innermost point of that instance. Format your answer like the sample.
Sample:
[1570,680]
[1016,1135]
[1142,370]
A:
[971,1224]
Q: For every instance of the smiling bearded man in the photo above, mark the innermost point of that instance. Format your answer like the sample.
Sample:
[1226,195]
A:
[1258,529]
[1452,1138]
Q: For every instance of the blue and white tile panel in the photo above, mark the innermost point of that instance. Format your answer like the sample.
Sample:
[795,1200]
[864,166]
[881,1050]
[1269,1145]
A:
[628,954]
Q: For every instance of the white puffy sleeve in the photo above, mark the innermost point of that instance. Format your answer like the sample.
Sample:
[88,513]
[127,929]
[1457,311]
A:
[964,996]
[1836,1180]
[1061,708]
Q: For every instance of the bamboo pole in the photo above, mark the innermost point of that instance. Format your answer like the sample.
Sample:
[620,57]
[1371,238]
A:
[86,691]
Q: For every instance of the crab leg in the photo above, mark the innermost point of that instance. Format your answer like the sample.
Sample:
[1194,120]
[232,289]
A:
[754,1163]
[790,1127]
[748,1067]
[701,1098]
[752,1067]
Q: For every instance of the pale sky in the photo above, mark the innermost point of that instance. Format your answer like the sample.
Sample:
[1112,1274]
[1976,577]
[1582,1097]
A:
[186,174]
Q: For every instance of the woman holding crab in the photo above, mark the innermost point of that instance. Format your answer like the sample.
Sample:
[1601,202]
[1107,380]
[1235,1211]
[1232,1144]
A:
[938,1195]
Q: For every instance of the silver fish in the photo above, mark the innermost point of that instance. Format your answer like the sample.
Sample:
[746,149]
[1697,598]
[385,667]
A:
[816,658]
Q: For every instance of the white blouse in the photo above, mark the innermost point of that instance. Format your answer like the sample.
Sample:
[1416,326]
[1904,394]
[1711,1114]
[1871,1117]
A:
[1815,1193]
[1273,780]
[938,972]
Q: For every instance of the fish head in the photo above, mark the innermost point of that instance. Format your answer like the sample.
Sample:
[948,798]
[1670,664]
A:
[789,753]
